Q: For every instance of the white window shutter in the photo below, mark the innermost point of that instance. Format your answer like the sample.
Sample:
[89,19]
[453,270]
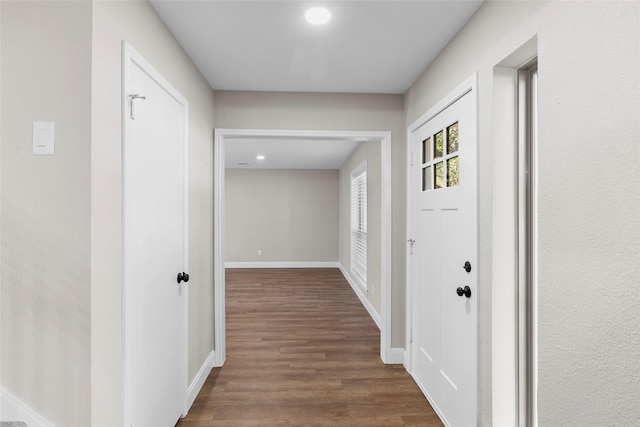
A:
[359,223]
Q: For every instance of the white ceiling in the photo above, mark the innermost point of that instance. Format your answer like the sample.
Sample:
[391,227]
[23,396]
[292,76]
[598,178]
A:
[288,153]
[367,47]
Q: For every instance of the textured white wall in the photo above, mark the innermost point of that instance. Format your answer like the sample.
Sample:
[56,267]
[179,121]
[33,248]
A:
[289,214]
[46,202]
[589,268]
[137,22]
[371,152]
[589,143]
[334,111]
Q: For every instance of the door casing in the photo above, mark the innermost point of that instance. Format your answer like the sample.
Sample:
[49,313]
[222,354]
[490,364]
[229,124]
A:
[226,136]
[508,399]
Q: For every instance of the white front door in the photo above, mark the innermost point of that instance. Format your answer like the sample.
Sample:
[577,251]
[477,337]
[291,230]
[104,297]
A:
[155,242]
[445,292]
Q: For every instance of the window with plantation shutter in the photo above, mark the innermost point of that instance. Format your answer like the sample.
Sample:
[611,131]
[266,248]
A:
[359,223]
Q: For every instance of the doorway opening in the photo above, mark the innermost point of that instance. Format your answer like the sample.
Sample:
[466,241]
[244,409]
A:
[224,137]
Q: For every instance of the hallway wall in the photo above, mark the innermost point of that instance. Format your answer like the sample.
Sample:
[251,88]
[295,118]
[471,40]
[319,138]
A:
[61,215]
[138,23]
[46,204]
[291,215]
[589,198]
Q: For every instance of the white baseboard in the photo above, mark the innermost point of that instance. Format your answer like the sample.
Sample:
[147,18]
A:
[198,381]
[361,296]
[432,402]
[310,264]
[396,356]
[13,409]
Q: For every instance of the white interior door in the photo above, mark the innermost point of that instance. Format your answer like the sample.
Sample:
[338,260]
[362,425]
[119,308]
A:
[155,242]
[445,294]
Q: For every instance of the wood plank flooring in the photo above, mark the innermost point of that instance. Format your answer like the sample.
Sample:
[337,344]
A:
[302,351]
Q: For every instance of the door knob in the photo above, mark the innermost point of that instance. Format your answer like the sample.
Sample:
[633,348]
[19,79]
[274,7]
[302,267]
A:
[466,291]
[183,277]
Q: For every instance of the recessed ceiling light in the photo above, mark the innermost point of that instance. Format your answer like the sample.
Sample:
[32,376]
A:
[317,15]
[260,157]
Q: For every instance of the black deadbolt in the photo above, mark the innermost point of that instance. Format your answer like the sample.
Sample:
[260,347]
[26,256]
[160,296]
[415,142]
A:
[466,291]
[183,277]
[467,267]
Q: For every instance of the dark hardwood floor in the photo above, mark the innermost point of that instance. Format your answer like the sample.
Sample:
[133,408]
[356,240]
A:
[302,351]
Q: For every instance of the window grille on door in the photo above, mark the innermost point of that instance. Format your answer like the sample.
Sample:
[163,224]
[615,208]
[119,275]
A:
[359,223]
[440,161]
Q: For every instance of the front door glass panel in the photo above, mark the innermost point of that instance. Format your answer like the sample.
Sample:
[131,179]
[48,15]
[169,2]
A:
[440,161]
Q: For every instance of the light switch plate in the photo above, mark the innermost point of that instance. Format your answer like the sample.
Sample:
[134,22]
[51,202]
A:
[43,138]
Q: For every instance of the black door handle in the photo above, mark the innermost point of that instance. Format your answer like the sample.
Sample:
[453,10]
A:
[183,277]
[466,291]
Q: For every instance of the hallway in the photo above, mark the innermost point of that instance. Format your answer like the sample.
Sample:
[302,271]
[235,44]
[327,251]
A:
[301,350]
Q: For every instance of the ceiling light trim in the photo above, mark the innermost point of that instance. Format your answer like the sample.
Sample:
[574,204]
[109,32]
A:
[317,15]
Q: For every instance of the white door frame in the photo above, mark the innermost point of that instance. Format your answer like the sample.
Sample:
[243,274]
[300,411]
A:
[226,136]
[469,86]
[129,54]
[506,317]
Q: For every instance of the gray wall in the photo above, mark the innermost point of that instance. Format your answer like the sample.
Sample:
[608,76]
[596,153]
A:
[332,111]
[46,205]
[61,215]
[589,227]
[138,23]
[289,214]
[371,152]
